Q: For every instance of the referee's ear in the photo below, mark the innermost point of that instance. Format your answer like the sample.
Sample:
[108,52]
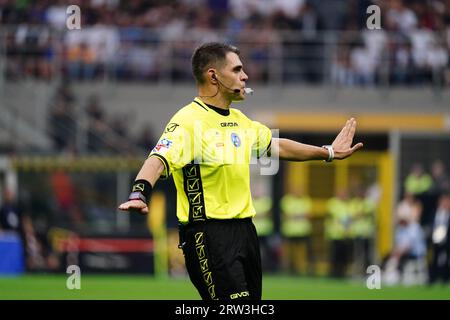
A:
[212,76]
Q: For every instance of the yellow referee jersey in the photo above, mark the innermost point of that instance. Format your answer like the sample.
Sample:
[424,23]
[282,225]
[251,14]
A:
[209,155]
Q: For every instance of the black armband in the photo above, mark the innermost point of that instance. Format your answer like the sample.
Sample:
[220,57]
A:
[141,190]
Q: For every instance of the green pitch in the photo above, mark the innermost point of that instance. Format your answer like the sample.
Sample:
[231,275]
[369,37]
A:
[144,287]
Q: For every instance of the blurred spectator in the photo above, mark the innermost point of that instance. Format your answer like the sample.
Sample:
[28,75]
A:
[400,17]
[440,263]
[13,219]
[62,124]
[422,40]
[401,62]
[363,63]
[334,13]
[103,39]
[409,244]
[10,214]
[362,229]
[242,10]
[68,213]
[375,41]
[136,62]
[337,231]
[97,138]
[409,207]
[289,8]
[296,229]
[81,62]
[312,53]
[309,21]
[119,126]
[440,185]
[56,14]
[418,182]
[421,185]
[120,134]
[341,71]
[13,60]
[93,109]
[263,222]
[441,180]
[65,93]
[437,61]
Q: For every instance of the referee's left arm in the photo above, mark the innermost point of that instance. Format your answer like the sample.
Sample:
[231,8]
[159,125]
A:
[341,147]
[150,172]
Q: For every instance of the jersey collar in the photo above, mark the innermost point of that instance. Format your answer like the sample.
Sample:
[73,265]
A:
[201,103]
[208,107]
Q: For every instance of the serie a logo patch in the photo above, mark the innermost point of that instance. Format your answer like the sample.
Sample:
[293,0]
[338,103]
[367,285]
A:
[162,145]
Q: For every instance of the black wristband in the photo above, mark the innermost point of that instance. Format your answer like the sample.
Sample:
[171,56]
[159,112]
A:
[141,190]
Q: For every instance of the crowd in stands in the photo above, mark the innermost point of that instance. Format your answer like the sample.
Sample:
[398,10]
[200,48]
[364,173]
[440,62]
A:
[153,40]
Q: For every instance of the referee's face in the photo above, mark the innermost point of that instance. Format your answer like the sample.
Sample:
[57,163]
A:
[233,76]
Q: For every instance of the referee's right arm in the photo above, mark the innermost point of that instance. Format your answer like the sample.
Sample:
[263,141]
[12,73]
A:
[150,171]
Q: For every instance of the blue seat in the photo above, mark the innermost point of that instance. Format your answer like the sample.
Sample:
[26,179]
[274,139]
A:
[12,260]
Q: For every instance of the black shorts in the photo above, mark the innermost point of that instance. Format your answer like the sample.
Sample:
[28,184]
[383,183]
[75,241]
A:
[223,259]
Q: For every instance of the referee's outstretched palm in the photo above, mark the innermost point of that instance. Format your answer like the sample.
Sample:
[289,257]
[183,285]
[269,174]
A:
[134,206]
[342,145]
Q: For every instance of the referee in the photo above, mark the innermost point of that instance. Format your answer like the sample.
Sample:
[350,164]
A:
[207,148]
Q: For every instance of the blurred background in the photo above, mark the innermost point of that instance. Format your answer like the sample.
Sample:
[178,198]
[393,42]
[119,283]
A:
[81,109]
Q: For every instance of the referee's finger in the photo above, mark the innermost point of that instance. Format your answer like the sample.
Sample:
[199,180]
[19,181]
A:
[357,146]
[345,130]
[351,133]
[342,132]
[351,128]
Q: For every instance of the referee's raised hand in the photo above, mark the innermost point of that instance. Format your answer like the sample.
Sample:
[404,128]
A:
[134,206]
[342,145]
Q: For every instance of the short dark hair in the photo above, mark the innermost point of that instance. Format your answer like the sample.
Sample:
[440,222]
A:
[208,55]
